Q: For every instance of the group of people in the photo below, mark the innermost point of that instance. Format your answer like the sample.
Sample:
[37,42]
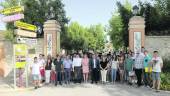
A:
[124,67]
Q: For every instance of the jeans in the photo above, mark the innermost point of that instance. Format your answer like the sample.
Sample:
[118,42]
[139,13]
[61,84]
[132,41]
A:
[114,72]
[147,78]
[67,74]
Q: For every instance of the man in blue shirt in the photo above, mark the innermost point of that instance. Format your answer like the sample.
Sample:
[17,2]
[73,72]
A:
[67,68]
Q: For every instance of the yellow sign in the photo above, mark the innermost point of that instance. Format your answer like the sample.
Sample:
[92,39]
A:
[25,26]
[25,33]
[20,55]
[12,10]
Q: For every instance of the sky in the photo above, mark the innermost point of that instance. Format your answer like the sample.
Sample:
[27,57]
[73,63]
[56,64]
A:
[88,12]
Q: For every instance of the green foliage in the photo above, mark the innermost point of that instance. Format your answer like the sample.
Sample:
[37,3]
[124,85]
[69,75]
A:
[79,37]
[165,76]
[39,10]
[165,81]
[9,35]
[95,37]
[119,25]
[157,17]
[115,32]
[166,65]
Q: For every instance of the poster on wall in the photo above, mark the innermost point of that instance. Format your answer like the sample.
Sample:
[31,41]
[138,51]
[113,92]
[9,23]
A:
[49,44]
[137,41]
[20,55]
[20,65]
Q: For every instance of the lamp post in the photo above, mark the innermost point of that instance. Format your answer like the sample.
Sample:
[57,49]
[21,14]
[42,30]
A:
[135,10]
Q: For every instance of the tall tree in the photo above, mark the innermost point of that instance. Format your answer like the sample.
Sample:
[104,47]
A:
[115,30]
[125,14]
[96,37]
[40,10]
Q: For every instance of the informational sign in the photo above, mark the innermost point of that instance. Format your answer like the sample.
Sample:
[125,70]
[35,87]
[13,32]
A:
[20,53]
[25,26]
[25,33]
[12,18]
[137,41]
[49,44]
[12,10]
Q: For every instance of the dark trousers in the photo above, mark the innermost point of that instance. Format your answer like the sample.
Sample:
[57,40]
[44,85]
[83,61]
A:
[77,74]
[67,74]
[58,77]
[95,75]
[138,73]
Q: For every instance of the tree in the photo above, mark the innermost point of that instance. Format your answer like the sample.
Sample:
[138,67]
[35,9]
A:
[40,11]
[115,31]
[125,12]
[76,37]
[83,38]
[157,20]
[96,37]
[119,32]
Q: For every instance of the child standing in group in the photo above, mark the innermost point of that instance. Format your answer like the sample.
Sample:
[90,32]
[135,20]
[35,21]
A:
[35,69]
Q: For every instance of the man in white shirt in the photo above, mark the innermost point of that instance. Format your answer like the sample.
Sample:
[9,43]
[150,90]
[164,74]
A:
[77,68]
[157,64]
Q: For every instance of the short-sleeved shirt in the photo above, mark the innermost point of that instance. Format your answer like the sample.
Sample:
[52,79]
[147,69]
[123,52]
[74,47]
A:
[103,64]
[147,59]
[139,61]
[67,63]
[129,63]
[58,65]
[36,68]
[114,64]
[157,64]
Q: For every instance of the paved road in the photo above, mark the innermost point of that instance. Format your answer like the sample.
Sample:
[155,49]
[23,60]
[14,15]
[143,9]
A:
[86,90]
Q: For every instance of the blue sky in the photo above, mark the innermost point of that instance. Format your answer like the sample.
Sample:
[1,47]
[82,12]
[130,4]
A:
[88,12]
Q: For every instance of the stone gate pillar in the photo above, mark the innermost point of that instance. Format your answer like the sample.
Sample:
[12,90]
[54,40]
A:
[136,33]
[51,38]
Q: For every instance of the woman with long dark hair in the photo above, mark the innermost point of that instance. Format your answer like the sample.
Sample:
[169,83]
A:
[48,67]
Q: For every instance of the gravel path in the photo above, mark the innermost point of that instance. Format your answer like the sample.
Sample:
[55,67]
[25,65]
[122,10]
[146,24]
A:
[85,90]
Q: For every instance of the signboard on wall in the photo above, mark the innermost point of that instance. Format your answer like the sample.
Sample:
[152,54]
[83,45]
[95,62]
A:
[137,41]
[25,26]
[12,18]
[12,10]
[20,53]
[49,44]
[25,33]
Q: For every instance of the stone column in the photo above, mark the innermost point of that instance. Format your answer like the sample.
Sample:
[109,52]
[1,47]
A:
[136,33]
[51,38]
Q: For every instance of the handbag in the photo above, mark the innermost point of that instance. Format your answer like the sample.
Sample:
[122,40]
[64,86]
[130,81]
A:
[131,73]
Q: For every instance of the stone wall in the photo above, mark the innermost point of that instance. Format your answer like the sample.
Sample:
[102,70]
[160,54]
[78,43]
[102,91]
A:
[6,60]
[39,48]
[160,43]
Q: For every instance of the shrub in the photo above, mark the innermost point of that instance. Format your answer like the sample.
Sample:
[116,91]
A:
[165,81]
[166,66]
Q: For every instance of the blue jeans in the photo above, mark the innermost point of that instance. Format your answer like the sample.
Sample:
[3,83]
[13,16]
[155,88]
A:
[67,74]
[114,72]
